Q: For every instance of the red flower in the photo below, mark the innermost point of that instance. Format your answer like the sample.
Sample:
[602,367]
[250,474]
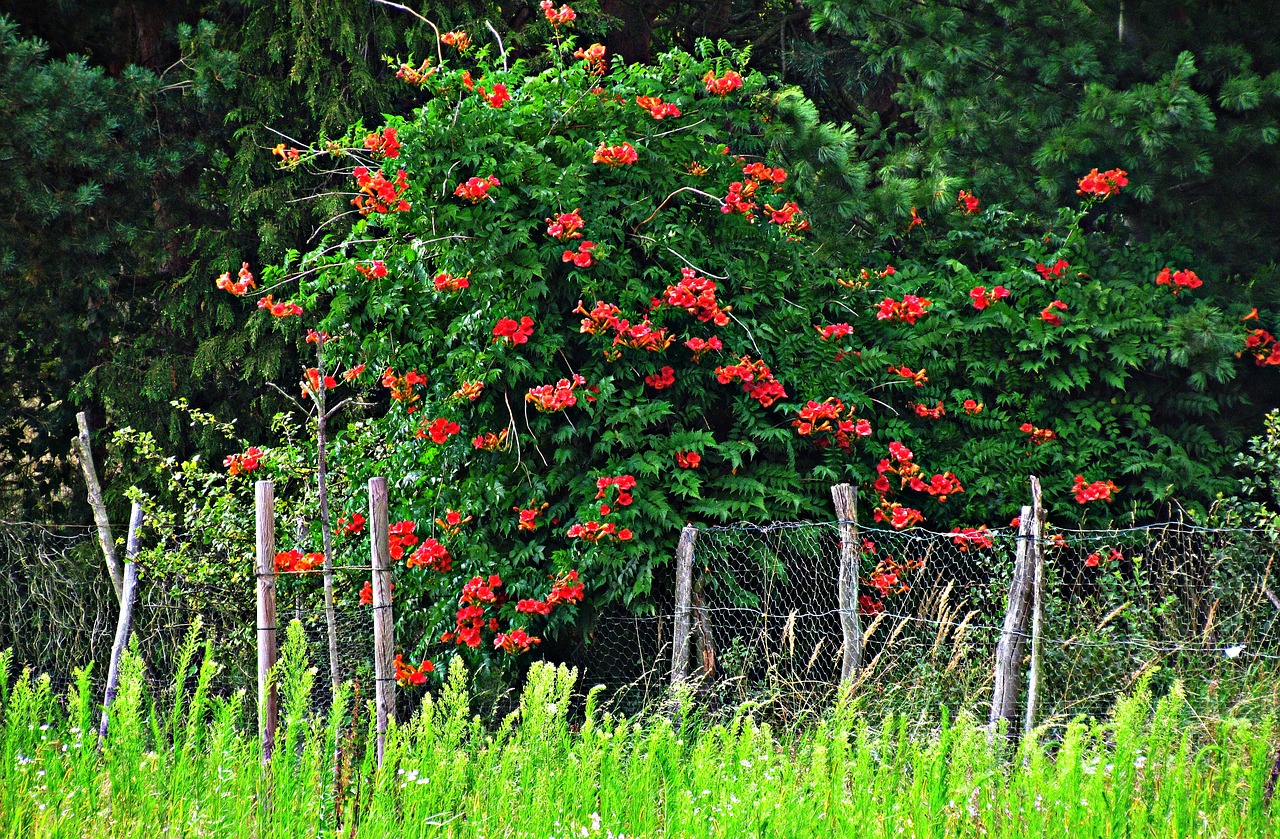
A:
[407,675]
[379,195]
[764,174]
[724,85]
[279,310]
[549,398]
[515,642]
[384,144]
[869,606]
[656,107]
[439,430]
[967,538]
[899,517]
[366,593]
[528,517]
[594,58]
[554,16]
[664,378]
[834,330]
[565,226]
[533,607]
[697,296]
[916,377]
[909,310]
[431,554]
[688,460]
[1104,184]
[238,464]
[1179,279]
[490,442]
[516,333]
[566,589]
[620,155]
[939,486]
[239,287]
[295,562]
[1039,436]
[445,281]
[982,300]
[352,527]
[1049,316]
[457,39]
[757,380]
[400,537]
[1096,491]
[969,200]
[699,346]
[499,97]
[476,190]
[352,373]
[311,382]
[1054,271]
[973,408]
[924,411]
[582,258]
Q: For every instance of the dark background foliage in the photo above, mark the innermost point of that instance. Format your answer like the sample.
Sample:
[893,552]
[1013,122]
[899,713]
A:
[137,167]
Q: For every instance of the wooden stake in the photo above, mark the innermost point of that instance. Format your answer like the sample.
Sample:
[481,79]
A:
[99,508]
[266,572]
[684,605]
[1009,650]
[124,625]
[383,636]
[845,499]
[1037,605]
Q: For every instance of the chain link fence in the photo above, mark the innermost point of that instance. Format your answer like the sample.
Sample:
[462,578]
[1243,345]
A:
[1163,602]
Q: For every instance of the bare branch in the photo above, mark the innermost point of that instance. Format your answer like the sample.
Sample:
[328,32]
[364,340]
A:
[501,48]
[434,28]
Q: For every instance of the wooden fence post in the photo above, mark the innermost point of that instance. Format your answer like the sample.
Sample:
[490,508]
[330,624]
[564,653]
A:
[264,497]
[383,636]
[1037,607]
[124,625]
[845,499]
[1013,637]
[99,508]
[684,605]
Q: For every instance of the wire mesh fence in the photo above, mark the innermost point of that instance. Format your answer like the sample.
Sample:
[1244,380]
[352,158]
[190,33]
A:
[1164,602]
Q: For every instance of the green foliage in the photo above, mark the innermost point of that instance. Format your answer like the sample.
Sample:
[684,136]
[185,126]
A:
[72,244]
[1130,381]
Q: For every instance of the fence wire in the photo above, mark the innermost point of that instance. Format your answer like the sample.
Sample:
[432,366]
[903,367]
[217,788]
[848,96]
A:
[1158,603]
[1162,602]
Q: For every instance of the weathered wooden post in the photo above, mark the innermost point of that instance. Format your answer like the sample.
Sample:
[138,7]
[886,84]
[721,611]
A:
[99,508]
[684,605]
[1037,605]
[1009,650]
[383,635]
[264,497]
[124,625]
[845,499]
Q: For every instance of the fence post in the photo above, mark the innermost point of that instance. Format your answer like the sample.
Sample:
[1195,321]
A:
[128,597]
[845,499]
[1037,607]
[99,508]
[1004,699]
[264,498]
[684,605]
[383,637]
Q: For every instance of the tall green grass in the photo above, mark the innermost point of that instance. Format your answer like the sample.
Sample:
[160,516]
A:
[190,765]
